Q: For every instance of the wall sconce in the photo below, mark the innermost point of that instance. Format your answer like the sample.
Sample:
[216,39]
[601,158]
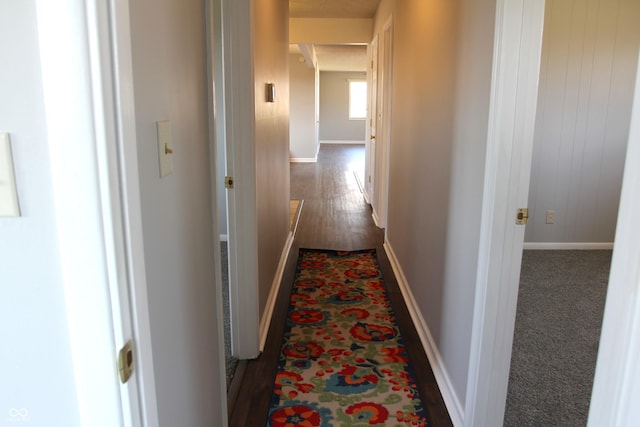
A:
[270,92]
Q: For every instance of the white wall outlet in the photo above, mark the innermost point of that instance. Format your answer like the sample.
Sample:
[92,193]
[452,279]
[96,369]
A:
[551,217]
[165,147]
[8,192]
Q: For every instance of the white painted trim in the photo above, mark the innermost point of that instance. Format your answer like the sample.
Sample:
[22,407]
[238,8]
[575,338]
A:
[211,9]
[376,219]
[242,209]
[514,93]
[303,159]
[131,206]
[265,322]
[76,131]
[616,387]
[385,95]
[456,411]
[340,142]
[555,246]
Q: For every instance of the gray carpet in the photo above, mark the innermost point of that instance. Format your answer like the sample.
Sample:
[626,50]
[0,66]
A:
[231,362]
[558,321]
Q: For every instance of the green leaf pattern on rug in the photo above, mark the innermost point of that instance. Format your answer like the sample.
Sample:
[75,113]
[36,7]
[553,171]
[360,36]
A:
[343,361]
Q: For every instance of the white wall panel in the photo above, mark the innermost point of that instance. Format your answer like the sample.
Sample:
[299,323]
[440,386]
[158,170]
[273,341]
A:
[302,126]
[588,65]
[334,108]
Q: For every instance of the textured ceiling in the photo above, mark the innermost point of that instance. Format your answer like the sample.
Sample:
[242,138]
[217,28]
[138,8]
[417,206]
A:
[333,8]
[341,57]
[337,57]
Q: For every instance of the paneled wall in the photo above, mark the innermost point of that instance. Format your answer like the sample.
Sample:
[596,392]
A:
[589,56]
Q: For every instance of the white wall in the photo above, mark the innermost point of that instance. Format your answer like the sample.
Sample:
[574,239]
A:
[170,82]
[589,57]
[36,356]
[303,143]
[439,125]
[334,108]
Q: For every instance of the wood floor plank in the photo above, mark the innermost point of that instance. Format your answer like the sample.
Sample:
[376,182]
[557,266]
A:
[335,216]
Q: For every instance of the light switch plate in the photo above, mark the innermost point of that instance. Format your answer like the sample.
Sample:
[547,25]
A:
[8,192]
[165,147]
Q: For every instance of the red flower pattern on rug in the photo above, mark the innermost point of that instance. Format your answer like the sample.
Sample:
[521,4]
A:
[343,361]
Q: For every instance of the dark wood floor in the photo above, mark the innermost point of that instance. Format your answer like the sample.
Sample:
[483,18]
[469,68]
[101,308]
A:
[334,216]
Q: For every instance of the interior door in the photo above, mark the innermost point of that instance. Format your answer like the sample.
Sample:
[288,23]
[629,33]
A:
[383,126]
[370,148]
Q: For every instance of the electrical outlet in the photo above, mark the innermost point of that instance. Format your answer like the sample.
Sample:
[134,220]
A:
[551,217]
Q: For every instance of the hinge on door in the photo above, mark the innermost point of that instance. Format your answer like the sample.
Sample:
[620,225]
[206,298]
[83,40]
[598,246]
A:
[125,362]
[372,64]
[228,182]
[522,216]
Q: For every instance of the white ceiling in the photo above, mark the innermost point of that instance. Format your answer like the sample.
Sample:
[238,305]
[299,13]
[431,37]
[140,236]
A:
[337,57]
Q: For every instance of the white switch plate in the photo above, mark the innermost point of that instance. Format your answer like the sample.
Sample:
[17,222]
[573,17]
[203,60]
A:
[8,193]
[165,147]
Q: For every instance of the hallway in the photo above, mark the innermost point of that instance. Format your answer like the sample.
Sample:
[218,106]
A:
[334,216]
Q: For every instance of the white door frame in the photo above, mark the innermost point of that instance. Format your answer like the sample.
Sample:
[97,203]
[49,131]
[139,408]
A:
[516,65]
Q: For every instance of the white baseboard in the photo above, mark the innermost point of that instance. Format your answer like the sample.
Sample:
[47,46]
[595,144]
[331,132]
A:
[568,246]
[376,220]
[265,322]
[224,237]
[456,411]
[334,141]
[366,196]
[303,159]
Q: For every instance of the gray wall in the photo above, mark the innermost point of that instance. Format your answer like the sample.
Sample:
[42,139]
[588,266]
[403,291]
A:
[589,57]
[36,356]
[440,107]
[271,50]
[303,140]
[334,108]
[169,64]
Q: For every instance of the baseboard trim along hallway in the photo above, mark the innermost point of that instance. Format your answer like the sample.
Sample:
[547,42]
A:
[265,322]
[456,411]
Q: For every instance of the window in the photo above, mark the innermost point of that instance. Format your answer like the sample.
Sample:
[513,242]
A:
[357,100]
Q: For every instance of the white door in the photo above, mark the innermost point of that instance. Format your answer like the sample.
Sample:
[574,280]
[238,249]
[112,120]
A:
[370,148]
[383,126]
[98,206]
[514,93]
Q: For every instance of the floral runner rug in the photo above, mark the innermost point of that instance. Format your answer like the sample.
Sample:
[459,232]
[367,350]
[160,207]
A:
[343,361]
